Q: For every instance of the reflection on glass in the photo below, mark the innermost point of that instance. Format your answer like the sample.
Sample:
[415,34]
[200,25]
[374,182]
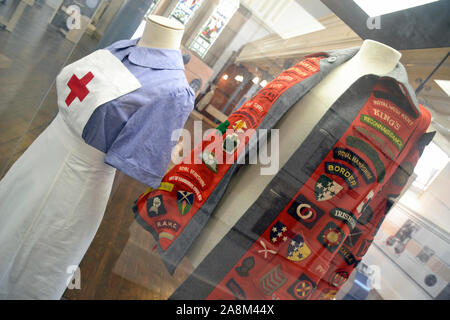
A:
[214,26]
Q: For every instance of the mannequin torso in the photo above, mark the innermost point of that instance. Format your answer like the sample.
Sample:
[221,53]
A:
[248,184]
[161,32]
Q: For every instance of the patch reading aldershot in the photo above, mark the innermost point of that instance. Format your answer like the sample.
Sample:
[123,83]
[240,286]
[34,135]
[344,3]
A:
[356,161]
[388,133]
[342,171]
[345,216]
[370,152]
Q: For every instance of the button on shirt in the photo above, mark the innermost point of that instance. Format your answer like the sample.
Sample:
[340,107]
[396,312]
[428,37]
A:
[135,130]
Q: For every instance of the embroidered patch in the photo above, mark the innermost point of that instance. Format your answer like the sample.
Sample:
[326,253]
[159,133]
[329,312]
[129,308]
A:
[331,237]
[355,160]
[370,152]
[305,211]
[194,174]
[391,105]
[189,184]
[342,171]
[338,278]
[166,186]
[168,224]
[209,159]
[240,126]
[345,216]
[272,280]
[345,253]
[366,216]
[155,206]
[277,233]
[298,250]
[268,94]
[166,235]
[231,143]
[376,140]
[363,248]
[285,78]
[387,119]
[251,118]
[185,201]
[363,205]
[265,250]
[247,264]
[302,288]
[326,188]
[236,290]
[388,133]
[353,237]
[328,294]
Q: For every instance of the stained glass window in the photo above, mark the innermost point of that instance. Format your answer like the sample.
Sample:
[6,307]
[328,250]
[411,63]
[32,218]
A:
[184,10]
[214,26]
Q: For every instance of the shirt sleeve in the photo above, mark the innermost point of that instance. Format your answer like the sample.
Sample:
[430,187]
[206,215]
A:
[143,148]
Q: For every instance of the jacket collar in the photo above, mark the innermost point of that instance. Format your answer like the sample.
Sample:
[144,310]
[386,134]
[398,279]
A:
[399,74]
[154,58]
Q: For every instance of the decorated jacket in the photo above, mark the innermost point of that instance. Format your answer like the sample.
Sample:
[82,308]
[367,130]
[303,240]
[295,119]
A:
[298,239]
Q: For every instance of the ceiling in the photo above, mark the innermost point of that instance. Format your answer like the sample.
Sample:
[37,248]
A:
[421,27]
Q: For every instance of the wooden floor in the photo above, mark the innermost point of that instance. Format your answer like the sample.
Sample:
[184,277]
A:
[121,262]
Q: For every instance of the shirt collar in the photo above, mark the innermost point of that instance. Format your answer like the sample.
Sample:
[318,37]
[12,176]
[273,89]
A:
[154,58]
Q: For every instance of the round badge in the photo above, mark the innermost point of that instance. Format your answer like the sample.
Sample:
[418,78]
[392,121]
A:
[306,213]
[430,280]
[303,289]
[332,237]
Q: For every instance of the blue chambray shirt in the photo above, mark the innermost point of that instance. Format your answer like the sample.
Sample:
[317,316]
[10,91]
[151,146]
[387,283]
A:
[135,130]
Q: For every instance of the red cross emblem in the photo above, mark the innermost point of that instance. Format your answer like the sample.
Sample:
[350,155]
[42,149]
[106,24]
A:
[78,88]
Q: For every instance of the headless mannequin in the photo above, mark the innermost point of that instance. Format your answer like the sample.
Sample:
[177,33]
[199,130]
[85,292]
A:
[248,184]
[162,33]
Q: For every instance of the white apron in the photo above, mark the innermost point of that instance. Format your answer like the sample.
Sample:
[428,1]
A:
[53,198]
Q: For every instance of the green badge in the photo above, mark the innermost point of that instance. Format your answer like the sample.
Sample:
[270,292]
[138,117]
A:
[388,133]
[326,188]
